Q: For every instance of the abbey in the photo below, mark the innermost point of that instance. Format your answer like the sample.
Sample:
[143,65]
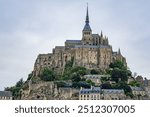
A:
[93,51]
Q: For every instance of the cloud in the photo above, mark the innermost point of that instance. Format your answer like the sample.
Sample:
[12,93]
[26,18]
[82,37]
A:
[28,28]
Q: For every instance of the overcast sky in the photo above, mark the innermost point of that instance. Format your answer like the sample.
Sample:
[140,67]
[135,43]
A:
[30,27]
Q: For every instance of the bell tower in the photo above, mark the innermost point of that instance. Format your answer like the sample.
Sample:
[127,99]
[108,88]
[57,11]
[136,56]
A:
[87,32]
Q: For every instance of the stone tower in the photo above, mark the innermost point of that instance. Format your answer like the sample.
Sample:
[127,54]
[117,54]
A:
[87,32]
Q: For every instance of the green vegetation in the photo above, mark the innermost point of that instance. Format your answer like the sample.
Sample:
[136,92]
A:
[29,76]
[35,79]
[125,87]
[106,86]
[119,72]
[105,79]
[118,64]
[73,73]
[83,84]
[16,89]
[93,71]
[134,83]
[73,77]
[90,82]
[47,75]
[61,84]
[67,70]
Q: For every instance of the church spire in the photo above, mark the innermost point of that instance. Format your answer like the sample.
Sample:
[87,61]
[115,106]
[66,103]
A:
[87,26]
[87,16]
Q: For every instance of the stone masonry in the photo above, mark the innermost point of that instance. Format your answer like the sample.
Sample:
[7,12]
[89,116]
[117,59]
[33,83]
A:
[93,51]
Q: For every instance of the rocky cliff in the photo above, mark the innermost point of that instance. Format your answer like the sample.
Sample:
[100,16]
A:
[48,91]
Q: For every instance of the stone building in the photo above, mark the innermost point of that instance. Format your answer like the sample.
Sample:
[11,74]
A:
[96,93]
[147,86]
[113,94]
[140,80]
[93,51]
[138,91]
[90,94]
[5,95]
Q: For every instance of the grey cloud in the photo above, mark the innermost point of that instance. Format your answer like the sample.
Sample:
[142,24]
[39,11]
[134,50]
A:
[28,28]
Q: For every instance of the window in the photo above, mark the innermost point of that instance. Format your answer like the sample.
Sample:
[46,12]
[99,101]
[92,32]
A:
[94,97]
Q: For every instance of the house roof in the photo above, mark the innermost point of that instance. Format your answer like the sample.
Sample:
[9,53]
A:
[137,88]
[95,76]
[73,41]
[5,93]
[113,90]
[91,90]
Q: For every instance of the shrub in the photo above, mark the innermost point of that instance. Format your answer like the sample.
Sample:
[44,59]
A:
[47,75]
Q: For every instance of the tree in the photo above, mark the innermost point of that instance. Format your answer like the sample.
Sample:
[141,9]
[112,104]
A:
[119,71]
[93,71]
[118,64]
[29,76]
[47,75]
[106,86]
[20,83]
[75,77]
[16,89]
[119,75]
[90,82]
[81,84]
[78,69]
[69,64]
[127,89]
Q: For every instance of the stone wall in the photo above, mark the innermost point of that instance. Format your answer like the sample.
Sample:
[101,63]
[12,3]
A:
[48,91]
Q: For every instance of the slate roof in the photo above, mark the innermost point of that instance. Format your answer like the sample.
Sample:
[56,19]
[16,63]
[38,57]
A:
[73,41]
[87,27]
[137,88]
[95,35]
[59,46]
[91,90]
[92,46]
[113,90]
[5,94]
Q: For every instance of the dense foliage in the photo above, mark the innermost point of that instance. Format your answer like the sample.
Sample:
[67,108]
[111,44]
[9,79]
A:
[47,75]
[16,89]
[73,73]
[119,71]
[93,71]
